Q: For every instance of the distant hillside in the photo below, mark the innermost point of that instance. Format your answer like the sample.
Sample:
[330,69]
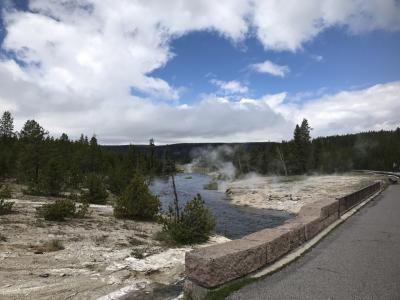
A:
[182,153]
[377,150]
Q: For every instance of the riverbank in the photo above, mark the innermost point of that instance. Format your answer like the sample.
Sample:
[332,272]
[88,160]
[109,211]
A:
[292,192]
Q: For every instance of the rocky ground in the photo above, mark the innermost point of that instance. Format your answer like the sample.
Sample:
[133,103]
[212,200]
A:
[292,192]
[96,257]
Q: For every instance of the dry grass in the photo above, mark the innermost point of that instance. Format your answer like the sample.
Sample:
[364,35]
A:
[49,246]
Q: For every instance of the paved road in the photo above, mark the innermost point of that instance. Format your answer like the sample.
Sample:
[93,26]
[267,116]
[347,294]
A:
[358,260]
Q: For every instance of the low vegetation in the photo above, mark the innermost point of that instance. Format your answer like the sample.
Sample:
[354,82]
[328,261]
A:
[193,225]
[5,191]
[3,238]
[49,246]
[6,207]
[137,202]
[62,209]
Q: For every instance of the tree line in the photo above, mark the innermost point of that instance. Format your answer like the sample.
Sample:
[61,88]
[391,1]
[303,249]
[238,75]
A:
[373,150]
[49,165]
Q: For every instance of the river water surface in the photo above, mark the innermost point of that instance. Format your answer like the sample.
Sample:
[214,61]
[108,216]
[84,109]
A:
[231,221]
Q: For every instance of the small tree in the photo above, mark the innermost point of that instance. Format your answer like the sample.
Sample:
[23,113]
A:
[96,192]
[136,202]
[194,225]
[5,206]
[5,191]
[51,179]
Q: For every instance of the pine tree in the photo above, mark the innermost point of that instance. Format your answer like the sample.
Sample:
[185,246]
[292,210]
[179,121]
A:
[7,145]
[96,192]
[6,125]
[52,178]
[137,202]
[302,147]
[32,137]
[95,158]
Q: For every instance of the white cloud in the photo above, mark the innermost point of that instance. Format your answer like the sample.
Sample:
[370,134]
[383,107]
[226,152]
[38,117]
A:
[232,86]
[317,58]
[82,59]
[372,108]
[287,25]
[271,68]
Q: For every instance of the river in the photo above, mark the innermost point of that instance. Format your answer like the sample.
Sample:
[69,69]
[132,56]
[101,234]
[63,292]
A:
[231,221]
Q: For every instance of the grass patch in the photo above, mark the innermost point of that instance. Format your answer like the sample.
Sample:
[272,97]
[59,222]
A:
[6,207]
[135,242]
[50,246]
[225,291]
[142,235]
[139,253]
[100,239]
[165,239]
[293,178]
[3,238]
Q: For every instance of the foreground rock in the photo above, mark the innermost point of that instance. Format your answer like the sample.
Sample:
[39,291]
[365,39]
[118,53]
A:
[94,257]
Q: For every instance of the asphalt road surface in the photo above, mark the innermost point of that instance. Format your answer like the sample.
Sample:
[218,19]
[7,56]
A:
[360,259]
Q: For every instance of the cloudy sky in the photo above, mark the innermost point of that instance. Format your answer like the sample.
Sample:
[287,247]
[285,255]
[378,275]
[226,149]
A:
[200,70]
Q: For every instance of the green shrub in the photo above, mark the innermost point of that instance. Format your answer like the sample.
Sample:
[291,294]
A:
[5,207]
[61,209]
[96,192]
[136,202]
[138,253]
[82,210]
[5,192]
[57,211]
[193,225]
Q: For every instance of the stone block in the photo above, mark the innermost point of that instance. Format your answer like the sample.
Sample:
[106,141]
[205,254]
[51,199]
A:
[218,264]
[276,240]
[322,208]
[297,233]
[330,207]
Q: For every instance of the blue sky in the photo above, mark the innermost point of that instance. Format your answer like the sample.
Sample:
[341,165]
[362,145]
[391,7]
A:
[348,62]
[199,71]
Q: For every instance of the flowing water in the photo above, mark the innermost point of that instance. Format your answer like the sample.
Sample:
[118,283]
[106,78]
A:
[231,221]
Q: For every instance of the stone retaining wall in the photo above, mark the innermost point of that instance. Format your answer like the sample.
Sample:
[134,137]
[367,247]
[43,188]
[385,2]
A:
[210,267]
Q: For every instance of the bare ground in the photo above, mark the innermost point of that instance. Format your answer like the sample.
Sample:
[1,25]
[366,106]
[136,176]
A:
[98,258]
[292,192]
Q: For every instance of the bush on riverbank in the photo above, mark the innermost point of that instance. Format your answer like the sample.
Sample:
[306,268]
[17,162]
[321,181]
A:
[137,202]
[61,209]
[194,224]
